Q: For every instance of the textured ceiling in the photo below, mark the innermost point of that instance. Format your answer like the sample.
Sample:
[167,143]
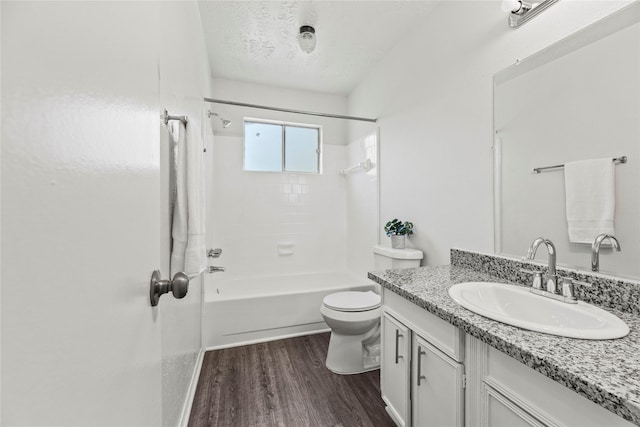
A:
[256,41]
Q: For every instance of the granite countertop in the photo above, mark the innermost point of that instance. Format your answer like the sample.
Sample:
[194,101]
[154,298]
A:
[606,372]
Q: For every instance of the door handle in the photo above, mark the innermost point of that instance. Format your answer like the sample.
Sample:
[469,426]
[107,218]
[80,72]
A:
[419,373]
[398,336]
[178,286]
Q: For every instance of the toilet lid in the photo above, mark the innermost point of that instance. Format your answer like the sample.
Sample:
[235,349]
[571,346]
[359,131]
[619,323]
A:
[352,301]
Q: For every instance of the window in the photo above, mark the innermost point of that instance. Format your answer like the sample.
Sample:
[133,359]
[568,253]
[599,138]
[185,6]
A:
[281,147]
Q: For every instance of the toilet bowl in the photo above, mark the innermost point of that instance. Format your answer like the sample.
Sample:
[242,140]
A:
[354,318]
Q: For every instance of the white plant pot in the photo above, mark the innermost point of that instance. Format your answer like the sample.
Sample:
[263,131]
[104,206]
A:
[397,241]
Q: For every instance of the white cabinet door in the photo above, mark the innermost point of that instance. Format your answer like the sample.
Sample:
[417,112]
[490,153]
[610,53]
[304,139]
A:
[438,397]
[395,368]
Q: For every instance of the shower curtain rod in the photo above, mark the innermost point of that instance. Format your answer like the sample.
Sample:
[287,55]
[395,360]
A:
[285,110]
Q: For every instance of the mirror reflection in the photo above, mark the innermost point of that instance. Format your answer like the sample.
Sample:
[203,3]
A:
[577,100]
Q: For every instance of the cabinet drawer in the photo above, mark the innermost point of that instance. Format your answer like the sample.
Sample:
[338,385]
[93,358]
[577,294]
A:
[446,337]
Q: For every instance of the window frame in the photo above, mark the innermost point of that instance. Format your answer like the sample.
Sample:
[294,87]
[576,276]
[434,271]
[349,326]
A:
[284,125]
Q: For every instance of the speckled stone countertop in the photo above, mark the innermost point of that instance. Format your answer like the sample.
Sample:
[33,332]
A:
[606,372]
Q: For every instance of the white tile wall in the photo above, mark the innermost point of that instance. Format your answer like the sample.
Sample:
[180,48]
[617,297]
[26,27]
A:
[251,212]
[362,203]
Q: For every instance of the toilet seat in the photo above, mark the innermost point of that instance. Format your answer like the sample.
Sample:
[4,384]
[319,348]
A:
[352,301]
[351,316]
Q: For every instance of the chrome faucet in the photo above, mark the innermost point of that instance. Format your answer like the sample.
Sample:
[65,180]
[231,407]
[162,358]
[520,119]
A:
[595,249]
[552,286]
[551,281]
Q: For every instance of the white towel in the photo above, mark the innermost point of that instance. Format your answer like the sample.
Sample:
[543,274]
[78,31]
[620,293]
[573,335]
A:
[188,251]
[590,197]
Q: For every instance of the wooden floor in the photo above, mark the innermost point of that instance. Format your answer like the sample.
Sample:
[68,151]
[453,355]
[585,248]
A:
[284,383]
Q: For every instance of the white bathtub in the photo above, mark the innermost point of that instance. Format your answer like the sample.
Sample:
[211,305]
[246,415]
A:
[240,311]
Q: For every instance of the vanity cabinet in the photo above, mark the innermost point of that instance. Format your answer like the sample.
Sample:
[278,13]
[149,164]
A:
[422,374]
[433,374]
[502,392]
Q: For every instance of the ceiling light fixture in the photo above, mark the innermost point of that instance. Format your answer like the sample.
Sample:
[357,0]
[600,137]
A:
[225,123]
[307,38]
[521,11]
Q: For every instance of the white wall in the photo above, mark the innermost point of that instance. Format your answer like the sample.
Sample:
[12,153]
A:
[254,211]
[433,96]
[83,209]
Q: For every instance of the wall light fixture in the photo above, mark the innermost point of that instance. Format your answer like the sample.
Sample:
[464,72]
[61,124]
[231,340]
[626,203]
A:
[521,11]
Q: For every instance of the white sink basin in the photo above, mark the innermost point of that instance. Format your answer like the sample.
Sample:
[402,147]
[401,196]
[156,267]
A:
[517,306]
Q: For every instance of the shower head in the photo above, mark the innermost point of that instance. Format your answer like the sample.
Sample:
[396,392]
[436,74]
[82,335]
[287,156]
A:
[225,122]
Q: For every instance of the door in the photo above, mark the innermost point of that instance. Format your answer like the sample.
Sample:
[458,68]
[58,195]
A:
[80,222]
[438,392]
[180,70]
[395,369]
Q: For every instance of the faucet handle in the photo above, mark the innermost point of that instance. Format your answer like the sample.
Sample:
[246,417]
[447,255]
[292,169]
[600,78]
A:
[538,282]
[568,289]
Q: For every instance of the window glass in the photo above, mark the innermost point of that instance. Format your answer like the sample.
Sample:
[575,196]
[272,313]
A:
[262,147]
[279,147]
[301,149]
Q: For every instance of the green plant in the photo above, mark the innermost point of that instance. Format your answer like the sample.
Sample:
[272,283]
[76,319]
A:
[398,227]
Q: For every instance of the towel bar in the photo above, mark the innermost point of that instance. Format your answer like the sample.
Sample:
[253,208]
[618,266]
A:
[622,159]
[166,117]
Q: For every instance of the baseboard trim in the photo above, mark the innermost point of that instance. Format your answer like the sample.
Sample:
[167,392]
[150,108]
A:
[188,402]
[267,339]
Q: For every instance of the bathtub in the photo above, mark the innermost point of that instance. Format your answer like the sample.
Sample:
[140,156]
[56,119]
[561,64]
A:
[240,311]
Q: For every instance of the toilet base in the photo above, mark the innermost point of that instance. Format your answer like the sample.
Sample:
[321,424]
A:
[354,354]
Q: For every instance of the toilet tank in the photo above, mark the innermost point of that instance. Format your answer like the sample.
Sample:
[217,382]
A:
[386,257]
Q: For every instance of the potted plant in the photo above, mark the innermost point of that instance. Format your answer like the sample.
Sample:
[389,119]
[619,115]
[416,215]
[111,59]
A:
[397,230]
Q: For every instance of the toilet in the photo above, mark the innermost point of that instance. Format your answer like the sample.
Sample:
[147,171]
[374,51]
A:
[354,317]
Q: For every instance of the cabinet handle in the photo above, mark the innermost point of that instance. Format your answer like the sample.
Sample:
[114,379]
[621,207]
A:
[420,354]
[398,336]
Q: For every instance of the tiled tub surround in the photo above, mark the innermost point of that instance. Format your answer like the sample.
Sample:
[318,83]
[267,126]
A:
[606,372]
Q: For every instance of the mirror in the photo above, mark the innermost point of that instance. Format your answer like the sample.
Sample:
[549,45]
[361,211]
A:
[578,99]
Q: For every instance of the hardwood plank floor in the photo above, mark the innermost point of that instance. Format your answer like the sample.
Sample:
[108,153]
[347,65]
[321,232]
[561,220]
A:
[284,383]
